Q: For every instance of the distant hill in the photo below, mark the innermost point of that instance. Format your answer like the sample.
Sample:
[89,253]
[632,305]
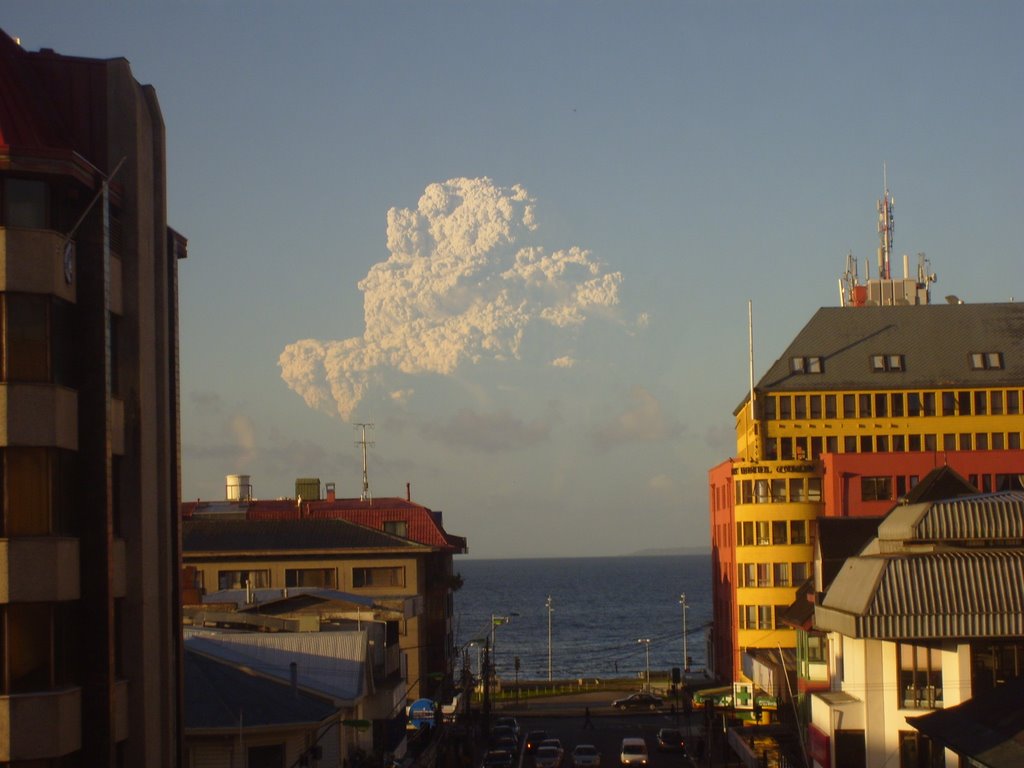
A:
[670,551]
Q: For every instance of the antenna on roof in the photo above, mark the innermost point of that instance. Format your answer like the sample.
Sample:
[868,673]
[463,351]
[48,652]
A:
[366,496]
[886,226]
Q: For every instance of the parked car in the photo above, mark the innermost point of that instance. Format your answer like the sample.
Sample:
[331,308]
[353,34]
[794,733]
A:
[547,756]
[503,732]
[508,722]
[671,740]
[507,743]
[641,700]
[586,756]
[498,758]
[533,740]
[633,751]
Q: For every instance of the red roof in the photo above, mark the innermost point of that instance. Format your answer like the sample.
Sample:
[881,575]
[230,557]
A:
[28,119]
[424,525]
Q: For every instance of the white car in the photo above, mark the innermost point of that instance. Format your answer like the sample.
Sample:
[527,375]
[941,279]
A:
[586,756]
[547,756]
[634,751]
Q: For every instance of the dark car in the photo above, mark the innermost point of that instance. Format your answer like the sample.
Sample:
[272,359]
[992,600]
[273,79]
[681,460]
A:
[533,740]
[641,700]
[508,722]
[507,743]
[671,740]
[502,732]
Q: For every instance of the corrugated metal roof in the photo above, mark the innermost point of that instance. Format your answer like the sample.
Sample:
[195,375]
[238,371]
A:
[328,663]
[221,695]
[935,341]
[937,595]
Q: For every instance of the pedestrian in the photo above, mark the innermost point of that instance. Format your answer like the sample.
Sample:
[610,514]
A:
[587,723]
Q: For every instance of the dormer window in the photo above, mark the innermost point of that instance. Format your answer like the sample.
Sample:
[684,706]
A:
[805,365]
[883,363]
[986,361]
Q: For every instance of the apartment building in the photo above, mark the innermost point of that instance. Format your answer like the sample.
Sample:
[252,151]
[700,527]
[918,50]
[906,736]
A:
[866,400]
[89,444]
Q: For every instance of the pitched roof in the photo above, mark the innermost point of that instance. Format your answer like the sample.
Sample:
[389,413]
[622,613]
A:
[220,695]
[935,341]
[331,664]
[283,535]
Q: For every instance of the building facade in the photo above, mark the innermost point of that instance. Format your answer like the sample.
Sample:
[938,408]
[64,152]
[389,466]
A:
[89,443]
[866,400]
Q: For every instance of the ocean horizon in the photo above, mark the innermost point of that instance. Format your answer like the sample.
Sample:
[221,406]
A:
[611,616]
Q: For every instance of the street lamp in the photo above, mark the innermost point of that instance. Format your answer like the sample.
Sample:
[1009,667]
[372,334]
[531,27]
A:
[550,608]
[495,622]
[647,647]
[686,657]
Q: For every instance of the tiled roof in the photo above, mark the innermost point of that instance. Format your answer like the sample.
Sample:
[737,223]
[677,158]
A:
[935,341]
[221,695]
[262,535]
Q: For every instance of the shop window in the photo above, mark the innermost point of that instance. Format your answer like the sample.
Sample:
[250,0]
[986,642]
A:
[239,579]
[920,676]
[876,489]
[324,578]
[378,577]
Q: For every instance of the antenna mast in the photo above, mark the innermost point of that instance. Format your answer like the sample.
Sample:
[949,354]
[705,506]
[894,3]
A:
[886,226]
[366,496]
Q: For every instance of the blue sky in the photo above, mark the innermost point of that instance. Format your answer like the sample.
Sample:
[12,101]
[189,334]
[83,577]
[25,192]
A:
[519,238]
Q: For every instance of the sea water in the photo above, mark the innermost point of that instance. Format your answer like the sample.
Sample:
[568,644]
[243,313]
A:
[609,617]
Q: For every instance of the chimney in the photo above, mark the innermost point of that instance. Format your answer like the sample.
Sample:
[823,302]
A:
[330,491]
[408,491]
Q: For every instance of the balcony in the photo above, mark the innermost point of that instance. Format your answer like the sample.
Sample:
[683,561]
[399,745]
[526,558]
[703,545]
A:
[39,569]
[37,726]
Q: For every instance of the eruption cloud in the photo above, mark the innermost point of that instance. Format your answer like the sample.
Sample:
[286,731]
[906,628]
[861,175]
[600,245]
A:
[455,289]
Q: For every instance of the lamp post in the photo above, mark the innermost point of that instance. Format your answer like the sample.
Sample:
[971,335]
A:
[647,648]
[497,621]
[686,657]
[550,608]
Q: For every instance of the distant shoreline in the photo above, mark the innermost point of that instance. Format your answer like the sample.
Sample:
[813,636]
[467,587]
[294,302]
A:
[681,551]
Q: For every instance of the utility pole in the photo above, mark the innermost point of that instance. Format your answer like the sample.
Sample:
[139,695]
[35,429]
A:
[366,496]
[647,647]
[550,608]
[686,656]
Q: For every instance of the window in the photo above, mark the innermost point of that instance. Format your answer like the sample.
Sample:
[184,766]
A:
[781,574]
[798,531]
[38,489]
[929,403]
[980,403]
[785,407]
[948,442]
[849,406]
[881,404]
[986,361]
[748,616]
[815,648]
[993,663]
[763,575]
[920,676]
[325,578]
[805,365]
[918,751]
[1013,402]
[778,490]
[996,402]
[796,489]
[397,528]
[800,407]
[779,530]
[885,363]
[760,491]
[914,406]
[801,573]
[763,533]
[768,404]
[815,406]
[748,575]
[814,489]
[929,442]
[876,488]
[238,579]
[849,444]
[25,204]
[896,404]
[764,617]
[864,406]
[830,406]
[378,577]
[745,534]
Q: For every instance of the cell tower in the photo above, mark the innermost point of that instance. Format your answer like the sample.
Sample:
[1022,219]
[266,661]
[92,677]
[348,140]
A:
[886,229]
[366,495]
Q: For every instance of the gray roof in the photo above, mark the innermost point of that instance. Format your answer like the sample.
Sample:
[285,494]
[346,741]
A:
[220,695]
[934,339]
[277,535]
[949,569]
